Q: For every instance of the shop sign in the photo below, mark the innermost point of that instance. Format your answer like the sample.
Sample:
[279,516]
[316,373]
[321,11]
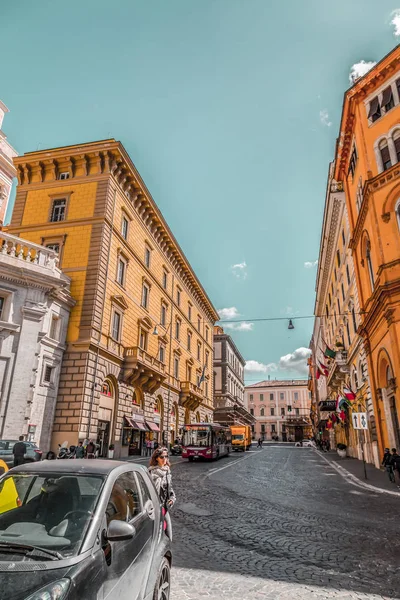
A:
[327,405]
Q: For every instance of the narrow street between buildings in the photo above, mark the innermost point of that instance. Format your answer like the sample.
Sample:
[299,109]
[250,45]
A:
[281,523]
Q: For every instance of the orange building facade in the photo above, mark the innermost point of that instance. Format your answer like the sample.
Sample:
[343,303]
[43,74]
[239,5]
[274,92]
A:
[367,163]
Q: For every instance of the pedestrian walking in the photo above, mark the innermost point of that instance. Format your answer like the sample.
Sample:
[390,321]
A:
[260,443]
[80,450]
[395,462]
[148,447]
[328,445]
[19,451]
[90,450]
[160,473]
[387,463]
[155,445]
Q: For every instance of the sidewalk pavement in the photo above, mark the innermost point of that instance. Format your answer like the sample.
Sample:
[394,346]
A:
[375,477]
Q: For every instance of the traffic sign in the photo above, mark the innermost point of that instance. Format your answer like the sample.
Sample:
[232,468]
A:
[360,420]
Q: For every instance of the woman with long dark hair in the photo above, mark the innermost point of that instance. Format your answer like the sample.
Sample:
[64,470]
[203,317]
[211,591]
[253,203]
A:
[160,473]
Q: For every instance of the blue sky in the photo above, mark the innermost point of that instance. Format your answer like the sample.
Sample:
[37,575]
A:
[229,109]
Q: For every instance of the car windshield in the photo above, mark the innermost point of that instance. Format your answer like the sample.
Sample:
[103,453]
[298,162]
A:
[197,437]
[238,436]
[50,511]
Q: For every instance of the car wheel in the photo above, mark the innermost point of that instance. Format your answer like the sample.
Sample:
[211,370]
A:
[163,584]
[190,458]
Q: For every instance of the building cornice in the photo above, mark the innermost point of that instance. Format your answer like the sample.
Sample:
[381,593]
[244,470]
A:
[109,157]
[221,337]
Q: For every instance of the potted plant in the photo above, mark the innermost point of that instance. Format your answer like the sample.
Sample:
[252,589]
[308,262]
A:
[111,451]
[342,450]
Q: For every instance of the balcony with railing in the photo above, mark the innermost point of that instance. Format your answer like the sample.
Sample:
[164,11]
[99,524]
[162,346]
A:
[191,395]
[17,252]
[143,370]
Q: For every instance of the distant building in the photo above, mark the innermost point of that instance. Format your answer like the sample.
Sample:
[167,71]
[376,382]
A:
[228,380]
[281,408]
[35,304]
[7,169]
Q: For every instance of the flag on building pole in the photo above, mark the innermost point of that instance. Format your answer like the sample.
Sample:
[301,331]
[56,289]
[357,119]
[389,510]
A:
[349,394]
[329,353]
[324,368]
[318,373]
[203,376]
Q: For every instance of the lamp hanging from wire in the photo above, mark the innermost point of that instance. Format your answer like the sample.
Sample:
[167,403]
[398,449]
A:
[290,326]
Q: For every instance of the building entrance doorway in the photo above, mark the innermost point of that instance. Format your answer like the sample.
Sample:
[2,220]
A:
[103,438]
[298,434]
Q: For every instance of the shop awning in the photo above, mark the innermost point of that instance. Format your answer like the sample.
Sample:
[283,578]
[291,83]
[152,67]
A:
[135,424]
[152,426]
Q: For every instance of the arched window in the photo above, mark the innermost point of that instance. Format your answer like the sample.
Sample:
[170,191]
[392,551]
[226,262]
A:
[369,265]
[385,155]
[262,412]
[396,142]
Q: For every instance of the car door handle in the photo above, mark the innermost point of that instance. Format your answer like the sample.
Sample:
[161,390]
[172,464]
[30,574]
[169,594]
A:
[149,508]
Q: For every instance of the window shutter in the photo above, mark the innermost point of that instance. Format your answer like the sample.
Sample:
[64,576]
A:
[397,146]
[373,107]
[385,154]
[386,96]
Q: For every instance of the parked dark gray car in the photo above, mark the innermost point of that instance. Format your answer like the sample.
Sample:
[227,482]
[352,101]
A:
[82,530]
[33,453]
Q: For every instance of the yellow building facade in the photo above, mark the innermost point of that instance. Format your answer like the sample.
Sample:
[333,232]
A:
[138,362]
[367,163]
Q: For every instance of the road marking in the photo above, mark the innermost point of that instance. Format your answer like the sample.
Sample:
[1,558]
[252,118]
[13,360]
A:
[217,470]
[353,480]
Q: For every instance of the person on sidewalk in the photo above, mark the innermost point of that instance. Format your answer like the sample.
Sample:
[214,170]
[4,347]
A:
[396,466]
[160,472]
[91,450]
[387,463]
[80,450]
[260,443]
[148,447]
[19,451]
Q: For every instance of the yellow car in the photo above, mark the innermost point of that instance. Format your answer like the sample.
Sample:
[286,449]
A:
[9,498]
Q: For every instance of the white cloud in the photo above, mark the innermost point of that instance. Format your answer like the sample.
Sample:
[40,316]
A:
[360,69]
[296,361]
[253,366]
[324,117]
[396,22]
[244,326]
[239,270]
[229,313]
[288,310]
[310,265]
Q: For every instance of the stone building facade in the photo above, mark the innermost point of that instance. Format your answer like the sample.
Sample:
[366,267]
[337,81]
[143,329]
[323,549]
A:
[140,339]
[281,409]
[35,305]
[337,312]
[228,371]
[7,169]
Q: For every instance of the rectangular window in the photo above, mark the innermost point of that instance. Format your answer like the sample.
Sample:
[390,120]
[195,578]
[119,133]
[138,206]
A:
[338,257]
[55,327]
[176,367]
[162,354]
[338,307]
[271,396]
[145,296]
[64,175]
[343,294]
[353,162]
[343,237]
[2,302]
[206,389]
[335,274]
[282,395]
[48,374]
[396,139]
[121,271]
[163,319]
[178,296]
[261,397]
[143,339]
[251,397]
[272,412]
[189,311]
[296,395]
[165,279]
[283,411]
[348,274]
[297,412]
[353,315]
[189,341]
[58,210]
[289,408]
[177,329]
[262,428]
[252,412]
[387,99]
[385,155]
[198,350]
[273,428]
[189,373]
[348,333]
[147,256]
[207,359]
[124,227]
[207,332]
[374,109]
[54,247]
[116,326]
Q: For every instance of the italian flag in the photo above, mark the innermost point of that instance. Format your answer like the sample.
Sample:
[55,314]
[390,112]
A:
[329,353]
[349,394]
[324,369]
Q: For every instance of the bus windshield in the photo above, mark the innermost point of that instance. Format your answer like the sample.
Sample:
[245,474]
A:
[238,436]
[197,437]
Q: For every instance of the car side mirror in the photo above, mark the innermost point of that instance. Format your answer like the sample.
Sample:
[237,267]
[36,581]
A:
[119,531]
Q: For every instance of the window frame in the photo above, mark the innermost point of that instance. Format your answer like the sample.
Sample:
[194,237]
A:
[115,313]
[55,318]
[121,261]
[145,297]
[54,200]
[125,229]
[147,255]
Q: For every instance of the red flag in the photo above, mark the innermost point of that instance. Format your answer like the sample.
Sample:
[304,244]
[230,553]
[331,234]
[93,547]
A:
[349,394]
[318,373]
[324,368]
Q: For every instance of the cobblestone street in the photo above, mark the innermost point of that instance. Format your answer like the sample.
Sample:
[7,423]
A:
[281,524]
